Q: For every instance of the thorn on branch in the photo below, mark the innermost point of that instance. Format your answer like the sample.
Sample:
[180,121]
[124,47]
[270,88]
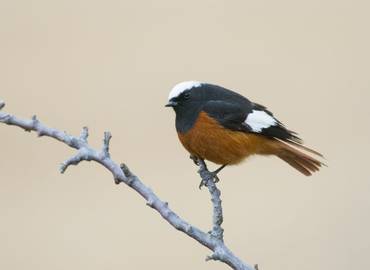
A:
[117,181]
[35,122]
[212,257]
[209,258]
[217,255]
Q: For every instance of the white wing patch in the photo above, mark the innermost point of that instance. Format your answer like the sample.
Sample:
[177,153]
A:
[181,87]
[259,120]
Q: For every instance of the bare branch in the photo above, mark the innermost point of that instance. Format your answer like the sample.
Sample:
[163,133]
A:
[122,174]
[208,180]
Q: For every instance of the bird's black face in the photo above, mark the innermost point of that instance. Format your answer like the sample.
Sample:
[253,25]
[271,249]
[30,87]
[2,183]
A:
[178,102]
[187,106]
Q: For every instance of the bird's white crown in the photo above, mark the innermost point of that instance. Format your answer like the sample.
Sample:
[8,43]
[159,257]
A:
[181,87]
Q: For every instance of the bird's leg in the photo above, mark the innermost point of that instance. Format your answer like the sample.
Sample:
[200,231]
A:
[202,183]
[213,174]
[194,159]
[202,168]
[215,178]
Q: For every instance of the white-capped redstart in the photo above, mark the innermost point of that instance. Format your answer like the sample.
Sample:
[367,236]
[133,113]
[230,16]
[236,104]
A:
[216,124]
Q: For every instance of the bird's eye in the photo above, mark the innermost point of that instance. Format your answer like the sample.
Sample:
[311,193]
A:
[187,95]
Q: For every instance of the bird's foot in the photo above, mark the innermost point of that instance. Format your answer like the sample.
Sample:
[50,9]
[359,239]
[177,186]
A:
[205,174]
[211,176]
[217,171]
[203,183]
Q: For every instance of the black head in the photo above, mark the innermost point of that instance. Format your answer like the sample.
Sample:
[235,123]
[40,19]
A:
[191,93]
[186,99]
[183,95]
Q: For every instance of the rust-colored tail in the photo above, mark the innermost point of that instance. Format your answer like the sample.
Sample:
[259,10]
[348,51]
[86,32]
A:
[299,160]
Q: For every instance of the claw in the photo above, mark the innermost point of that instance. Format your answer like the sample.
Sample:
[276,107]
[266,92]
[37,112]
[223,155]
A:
[215,179]
[202,183]
[213,175]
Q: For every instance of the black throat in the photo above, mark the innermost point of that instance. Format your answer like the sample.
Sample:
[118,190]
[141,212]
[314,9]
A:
[186,116]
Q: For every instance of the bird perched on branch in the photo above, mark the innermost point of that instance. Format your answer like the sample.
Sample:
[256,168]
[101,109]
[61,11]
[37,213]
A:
[222,126]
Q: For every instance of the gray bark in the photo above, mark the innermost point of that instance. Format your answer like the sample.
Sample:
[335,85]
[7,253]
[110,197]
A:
[122,174]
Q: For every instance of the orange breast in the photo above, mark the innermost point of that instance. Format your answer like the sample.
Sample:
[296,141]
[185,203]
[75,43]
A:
[207,139]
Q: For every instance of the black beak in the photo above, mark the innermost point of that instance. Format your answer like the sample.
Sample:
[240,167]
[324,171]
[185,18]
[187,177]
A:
[171,104]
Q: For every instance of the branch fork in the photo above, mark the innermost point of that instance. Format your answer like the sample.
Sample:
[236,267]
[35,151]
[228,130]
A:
[122,174]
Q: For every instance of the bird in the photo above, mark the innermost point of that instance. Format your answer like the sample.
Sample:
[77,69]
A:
[219,125]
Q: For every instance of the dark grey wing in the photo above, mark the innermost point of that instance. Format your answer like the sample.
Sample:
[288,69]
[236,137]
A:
[249,117]
[229,115]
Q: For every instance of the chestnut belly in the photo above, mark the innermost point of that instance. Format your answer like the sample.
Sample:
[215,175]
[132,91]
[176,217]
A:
[209,140]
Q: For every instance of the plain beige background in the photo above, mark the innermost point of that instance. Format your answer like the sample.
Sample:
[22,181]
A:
[110,65]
